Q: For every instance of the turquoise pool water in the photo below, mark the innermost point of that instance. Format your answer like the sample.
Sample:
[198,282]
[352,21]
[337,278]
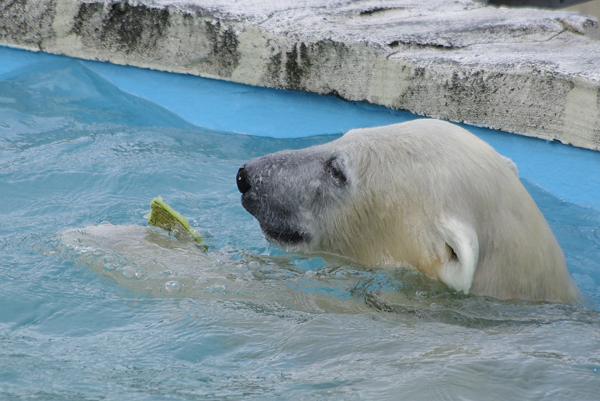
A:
[91,310]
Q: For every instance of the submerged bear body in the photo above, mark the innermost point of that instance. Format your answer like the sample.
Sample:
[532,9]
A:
[425,195]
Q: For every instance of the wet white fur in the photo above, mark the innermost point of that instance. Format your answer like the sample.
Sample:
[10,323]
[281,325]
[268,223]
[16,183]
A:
[428,195]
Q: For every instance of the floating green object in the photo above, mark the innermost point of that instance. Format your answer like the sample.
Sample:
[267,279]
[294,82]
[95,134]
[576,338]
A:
[163,216]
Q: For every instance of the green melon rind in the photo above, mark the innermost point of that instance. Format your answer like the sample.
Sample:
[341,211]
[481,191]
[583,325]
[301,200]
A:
[173,218]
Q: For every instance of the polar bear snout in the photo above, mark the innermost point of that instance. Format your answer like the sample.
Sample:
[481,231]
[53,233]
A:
[271,190]
[291,193]
[254,199]
[242,180]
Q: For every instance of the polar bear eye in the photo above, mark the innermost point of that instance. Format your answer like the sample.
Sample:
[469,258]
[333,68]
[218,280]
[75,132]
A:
[335,169]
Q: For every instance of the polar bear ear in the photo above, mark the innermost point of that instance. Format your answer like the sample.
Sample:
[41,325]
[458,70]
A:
[462,249]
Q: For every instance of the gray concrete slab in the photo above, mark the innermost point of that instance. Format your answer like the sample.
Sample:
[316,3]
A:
[589,7]
[529,71]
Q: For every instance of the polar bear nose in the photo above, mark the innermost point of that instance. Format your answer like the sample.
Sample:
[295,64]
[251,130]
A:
[242,180]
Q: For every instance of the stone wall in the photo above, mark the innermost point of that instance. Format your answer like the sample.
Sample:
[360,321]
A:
[532,72]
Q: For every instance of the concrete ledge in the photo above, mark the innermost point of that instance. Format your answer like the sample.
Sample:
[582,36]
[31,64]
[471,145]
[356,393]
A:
[527,71]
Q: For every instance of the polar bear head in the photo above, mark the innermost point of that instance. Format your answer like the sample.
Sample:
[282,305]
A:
[425,195]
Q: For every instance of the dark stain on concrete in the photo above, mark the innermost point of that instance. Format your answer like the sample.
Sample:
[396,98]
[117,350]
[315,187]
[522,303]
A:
[379,10]
[121,26]
[468,85]
[224,47]
[274,68]
[84,15]
[14,27]
[297,66]
[134,28]
[330,53]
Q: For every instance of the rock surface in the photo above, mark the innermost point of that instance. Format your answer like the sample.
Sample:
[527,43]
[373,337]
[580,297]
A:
[532,72]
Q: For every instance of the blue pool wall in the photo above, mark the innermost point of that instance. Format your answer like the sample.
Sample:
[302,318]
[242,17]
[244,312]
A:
[570,173]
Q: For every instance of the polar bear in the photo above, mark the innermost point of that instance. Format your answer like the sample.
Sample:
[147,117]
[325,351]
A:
[425,195]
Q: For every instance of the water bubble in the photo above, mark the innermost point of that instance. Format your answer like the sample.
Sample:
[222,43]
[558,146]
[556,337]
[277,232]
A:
[110,267]
[131,272]
[173,287]
[217,289]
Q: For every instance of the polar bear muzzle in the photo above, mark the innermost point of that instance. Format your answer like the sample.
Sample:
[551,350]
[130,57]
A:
[275,217]
[284,191]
